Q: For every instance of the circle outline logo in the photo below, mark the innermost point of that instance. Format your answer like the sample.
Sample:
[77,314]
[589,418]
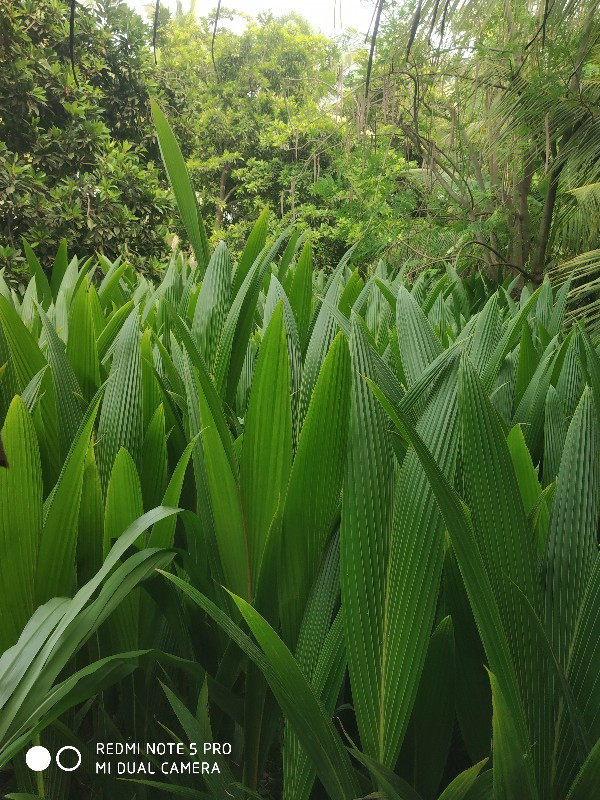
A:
[62,749]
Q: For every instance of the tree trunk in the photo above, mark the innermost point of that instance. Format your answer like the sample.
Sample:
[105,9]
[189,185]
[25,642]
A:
[539,258]
[521,245]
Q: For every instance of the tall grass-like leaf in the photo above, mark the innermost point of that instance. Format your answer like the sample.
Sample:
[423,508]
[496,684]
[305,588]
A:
[314,493]
[211,546]
[66,388]
[244,321]
[208,387]
[198,729]
[26,355]
[58,543]
[415,567]
[295,240]
[584,677]
[163,533]
[354,293]
[558,312]
[507,547]
[321,656]
[507,340]
[591,361]
[227,514]
[513,776]
[472,693]
[213,303]
[433,713]
[419,345]
[267,447]
[151,396]
[123,498]
[252,249]
[28,312]
[20,521]
[572,539]
[460,787]
[109,291]
[31,393]
[292,690]
[275,296]
[123,506]
[570,381]
[153,475]
[82,349]
[530,411]
[587,782]
[393,786]
[35,268]
[321,337]
[59,268]
[90,536]
[66,626]
[111,327]
[526,364]
[182,187]
[555,433]
[572,604]
[243,306]
[529,487]
[486,333]
[301,293]
[477,583]
[265,464]
[364,550]
[121,412]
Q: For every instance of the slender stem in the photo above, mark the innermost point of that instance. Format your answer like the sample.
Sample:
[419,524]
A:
[41,789]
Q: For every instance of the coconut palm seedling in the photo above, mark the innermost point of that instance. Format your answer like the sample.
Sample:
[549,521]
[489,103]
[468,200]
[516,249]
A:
[384,577]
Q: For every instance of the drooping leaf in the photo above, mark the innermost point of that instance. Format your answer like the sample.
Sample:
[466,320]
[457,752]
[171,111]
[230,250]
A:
[181,184]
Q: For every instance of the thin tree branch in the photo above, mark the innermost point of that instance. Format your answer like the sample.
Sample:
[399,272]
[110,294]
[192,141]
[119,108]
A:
[212,42]
[505,263]
[373,41]
[155,29]
[72,41]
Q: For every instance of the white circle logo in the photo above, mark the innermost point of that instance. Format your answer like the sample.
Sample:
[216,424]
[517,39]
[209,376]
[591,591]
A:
[38,758]
[62,750]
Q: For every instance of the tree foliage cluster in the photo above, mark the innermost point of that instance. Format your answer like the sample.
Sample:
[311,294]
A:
[498,103]
[75,147]
[476,141]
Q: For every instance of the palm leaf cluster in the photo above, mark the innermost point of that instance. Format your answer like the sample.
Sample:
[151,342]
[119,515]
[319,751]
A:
[383,579]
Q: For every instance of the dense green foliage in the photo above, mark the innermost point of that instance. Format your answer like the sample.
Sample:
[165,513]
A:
[302,452]
[384,573]
[476,144]
[74,157]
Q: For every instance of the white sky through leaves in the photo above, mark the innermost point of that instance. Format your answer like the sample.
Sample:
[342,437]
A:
[327,16]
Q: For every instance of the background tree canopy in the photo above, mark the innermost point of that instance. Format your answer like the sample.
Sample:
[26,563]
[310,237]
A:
[477,141]
[299,402]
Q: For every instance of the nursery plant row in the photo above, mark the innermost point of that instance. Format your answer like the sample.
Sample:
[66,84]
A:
[342,525]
